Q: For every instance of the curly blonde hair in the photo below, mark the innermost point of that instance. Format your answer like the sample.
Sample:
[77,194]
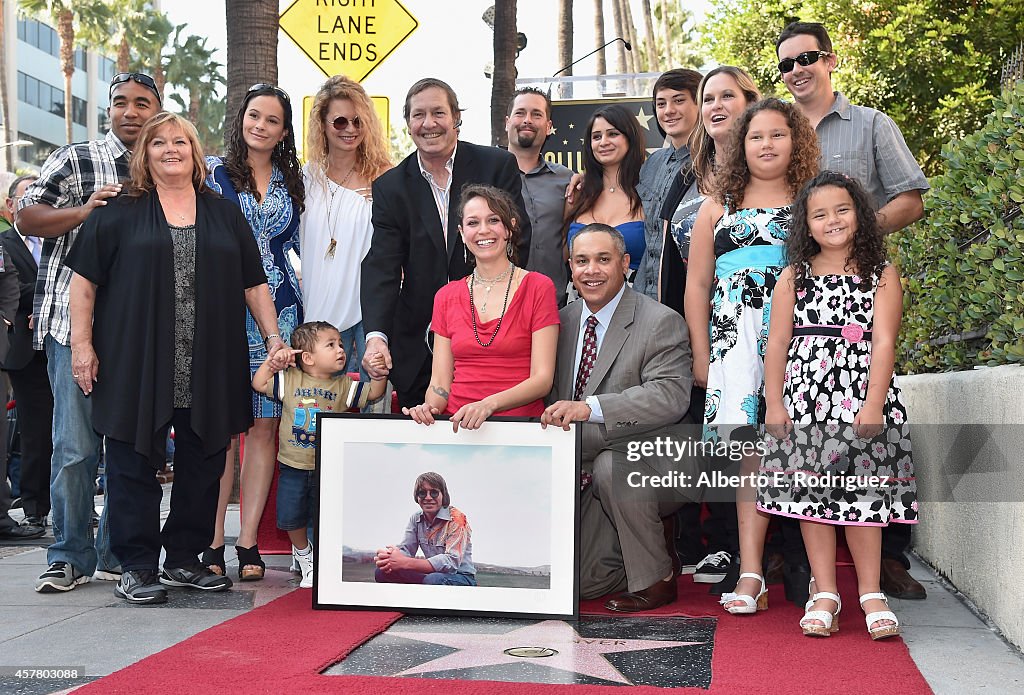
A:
[373,155]
[733,174]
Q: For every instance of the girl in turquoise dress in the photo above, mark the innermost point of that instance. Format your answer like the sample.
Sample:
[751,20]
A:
[737,251]
[261,173]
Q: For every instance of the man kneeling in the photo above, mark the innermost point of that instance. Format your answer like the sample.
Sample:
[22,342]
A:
[441,531]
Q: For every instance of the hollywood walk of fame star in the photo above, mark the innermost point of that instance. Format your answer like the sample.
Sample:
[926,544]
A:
[643,119]
[575,654]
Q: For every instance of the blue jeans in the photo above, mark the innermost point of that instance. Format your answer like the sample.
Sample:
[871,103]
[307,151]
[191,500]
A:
[296,498]
[354,341]
[414,577]
[76,455]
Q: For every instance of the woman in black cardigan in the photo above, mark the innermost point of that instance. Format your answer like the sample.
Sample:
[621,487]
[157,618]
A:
[163,274]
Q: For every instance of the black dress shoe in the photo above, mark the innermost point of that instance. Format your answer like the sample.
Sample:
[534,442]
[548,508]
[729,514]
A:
[658,594]
[898,583]
[795,580]
[22,533]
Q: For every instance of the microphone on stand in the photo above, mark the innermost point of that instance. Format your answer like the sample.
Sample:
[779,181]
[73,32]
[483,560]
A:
[627,44]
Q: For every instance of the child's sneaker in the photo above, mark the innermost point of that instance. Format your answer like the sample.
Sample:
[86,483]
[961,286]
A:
[305,562]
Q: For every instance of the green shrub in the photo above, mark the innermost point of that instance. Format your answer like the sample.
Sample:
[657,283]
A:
[963,268]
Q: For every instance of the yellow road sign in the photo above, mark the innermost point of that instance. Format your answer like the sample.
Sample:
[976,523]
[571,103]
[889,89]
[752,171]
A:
[382,105]
[347,37]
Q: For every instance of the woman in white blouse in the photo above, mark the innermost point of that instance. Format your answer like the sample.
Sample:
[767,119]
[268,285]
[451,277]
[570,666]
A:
[347,148]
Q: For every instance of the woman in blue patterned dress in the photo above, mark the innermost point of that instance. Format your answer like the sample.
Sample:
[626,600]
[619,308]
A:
[261,173]
[737,251]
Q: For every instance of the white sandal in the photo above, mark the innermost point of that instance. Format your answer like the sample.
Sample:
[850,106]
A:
[751,604]
[882,631]
[830,620]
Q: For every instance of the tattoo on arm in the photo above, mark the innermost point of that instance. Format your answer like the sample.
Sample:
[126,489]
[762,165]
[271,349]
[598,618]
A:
[439,391]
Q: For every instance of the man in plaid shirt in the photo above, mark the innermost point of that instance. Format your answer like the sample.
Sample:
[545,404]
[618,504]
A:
[74,180]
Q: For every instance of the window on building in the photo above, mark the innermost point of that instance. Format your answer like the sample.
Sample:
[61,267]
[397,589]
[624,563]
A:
[80,60]
[36,153]
[79,110]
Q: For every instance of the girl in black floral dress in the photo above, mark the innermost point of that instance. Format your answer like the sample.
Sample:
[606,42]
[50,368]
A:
[838,450]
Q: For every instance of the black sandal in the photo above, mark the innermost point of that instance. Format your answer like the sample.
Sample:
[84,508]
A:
[251,567]
[213,559]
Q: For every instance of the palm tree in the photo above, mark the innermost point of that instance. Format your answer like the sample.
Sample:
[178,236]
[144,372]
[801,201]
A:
[652,49]
[191,67]
[503,83]
[148,54]
[632,57]
[602,65]
[90,16]
[5,134]
[565,44]
[620,30]
[252,49]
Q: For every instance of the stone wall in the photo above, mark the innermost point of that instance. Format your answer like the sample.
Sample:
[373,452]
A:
[968,441]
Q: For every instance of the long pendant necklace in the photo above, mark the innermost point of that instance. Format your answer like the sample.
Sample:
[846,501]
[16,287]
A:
[487,284]
[504,307]
[334,244]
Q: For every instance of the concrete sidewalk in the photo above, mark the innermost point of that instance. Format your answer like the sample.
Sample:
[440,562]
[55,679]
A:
[90,629]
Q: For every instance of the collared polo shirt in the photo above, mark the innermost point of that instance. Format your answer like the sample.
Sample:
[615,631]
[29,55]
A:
[867,145]
[544,194]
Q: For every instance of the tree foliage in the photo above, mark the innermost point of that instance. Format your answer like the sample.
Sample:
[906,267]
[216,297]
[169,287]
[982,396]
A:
[964,265]
[933,65]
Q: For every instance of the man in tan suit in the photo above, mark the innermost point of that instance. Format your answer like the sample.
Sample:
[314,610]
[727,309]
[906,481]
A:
[624,368]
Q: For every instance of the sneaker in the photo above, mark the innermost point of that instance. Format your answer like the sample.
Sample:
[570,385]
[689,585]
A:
[305,561]
[35,521]
[712,568]
[195,577]
[687,566]
[22,532]
[60,576]
[110,575]
[140,587]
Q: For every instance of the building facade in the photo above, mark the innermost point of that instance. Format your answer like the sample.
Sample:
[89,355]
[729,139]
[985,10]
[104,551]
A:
[35,90]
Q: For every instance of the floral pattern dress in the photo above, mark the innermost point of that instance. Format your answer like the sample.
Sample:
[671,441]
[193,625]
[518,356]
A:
[275,225]
[823,471]
[749,256]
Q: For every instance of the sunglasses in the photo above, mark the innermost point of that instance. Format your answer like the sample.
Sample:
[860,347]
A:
[786,65]
[340,123]
[263,86]
[423,494]
[142,78]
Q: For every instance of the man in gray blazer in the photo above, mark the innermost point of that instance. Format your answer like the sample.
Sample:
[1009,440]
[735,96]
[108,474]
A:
[623,368]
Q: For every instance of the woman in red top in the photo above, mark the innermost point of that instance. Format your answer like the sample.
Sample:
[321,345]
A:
[496,330]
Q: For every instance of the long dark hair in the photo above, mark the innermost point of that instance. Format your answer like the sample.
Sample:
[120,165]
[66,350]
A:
[733,174]
[621,119]
[867,255]
[283,157]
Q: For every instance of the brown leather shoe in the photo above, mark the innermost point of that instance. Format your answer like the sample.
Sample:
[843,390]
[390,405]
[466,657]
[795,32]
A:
[898,583]
[658,594]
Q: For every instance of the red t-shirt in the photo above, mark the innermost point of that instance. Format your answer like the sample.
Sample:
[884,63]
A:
[481,372]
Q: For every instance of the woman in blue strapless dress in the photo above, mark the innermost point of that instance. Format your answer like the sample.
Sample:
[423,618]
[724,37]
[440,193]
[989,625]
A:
[613,152]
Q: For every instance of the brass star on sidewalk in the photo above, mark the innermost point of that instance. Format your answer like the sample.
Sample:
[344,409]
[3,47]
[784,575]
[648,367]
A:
[575,654]
[643,119]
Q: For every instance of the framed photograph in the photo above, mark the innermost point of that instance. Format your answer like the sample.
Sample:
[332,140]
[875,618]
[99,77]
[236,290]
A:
[425,520]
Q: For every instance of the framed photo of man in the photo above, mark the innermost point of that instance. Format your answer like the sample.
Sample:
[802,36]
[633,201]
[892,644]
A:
[426,520]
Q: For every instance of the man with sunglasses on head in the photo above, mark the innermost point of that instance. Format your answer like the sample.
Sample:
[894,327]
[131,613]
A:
[76,179]
[441,531]
[865,144]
